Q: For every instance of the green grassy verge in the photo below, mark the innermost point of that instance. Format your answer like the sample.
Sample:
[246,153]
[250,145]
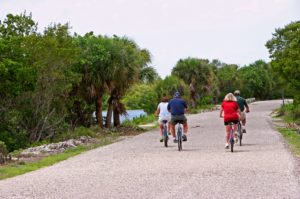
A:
[293,138]
[19,168]
[144,119]
[291,132]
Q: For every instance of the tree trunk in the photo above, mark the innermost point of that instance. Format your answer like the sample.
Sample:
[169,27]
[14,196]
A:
[117,121]
[99,116]
[109,113]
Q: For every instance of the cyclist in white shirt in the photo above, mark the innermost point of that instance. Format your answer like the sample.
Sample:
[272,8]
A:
[163,114]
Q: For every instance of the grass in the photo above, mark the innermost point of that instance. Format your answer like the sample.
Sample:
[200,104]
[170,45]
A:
[11,170]
[144,119]
[291,133]
[293,138]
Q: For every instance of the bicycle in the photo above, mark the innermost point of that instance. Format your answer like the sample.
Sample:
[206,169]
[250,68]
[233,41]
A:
[179,136]
[231,136]
[240,132]
[165,133]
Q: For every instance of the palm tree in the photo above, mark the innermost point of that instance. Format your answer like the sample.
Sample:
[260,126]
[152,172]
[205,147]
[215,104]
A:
[94,69]
[128,62]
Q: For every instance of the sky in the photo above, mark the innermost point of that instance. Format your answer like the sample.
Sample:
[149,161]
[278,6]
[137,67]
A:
[232,31]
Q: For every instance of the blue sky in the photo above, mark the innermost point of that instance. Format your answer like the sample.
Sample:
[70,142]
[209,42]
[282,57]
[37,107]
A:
[233,31]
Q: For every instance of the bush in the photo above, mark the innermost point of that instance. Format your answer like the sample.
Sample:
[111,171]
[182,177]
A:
[14,142]
[77,133]
[3,152]
[143,119]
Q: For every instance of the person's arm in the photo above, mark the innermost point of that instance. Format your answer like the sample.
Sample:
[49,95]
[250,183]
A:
[247,107]
[185,107]
[157,112]
[221,112]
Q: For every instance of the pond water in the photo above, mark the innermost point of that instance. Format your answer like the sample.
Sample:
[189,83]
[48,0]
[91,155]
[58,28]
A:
[130,114]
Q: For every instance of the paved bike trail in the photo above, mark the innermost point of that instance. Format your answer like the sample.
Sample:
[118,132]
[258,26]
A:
[140,167]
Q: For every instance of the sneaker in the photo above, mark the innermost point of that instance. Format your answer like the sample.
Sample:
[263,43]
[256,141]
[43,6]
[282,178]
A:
[184,138]
[226,146]
[175,140]
[161,139]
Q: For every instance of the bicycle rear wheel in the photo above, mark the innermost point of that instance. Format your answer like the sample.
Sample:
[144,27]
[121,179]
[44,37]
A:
[240,133]
[166,138]
[231,140]
[179,137]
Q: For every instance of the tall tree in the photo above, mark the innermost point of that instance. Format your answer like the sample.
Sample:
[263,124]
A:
[128,61]
[199,74]
[284,49]
[93,65]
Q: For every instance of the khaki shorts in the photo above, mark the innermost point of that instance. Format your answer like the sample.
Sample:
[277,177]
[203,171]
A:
[243,116]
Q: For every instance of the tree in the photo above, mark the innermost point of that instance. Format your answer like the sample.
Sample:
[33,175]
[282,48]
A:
[93,65]
[141,96]
[284,49]
[17,75]
[128,60]
[169,85]
[199,74]
[228,78]
[256,80]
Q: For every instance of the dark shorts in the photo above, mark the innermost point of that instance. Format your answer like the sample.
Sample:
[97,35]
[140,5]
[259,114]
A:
[233,121]
[178,119]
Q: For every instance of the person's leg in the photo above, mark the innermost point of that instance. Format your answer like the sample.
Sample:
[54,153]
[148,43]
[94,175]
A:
[172,127]
[161,128]
[185,128]
[227,130]
[243,121]
[169,128]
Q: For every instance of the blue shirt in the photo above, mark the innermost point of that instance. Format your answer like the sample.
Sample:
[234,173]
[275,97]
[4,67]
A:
[177,106]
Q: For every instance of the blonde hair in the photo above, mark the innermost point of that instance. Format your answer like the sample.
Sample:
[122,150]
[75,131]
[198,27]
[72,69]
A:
[230,97]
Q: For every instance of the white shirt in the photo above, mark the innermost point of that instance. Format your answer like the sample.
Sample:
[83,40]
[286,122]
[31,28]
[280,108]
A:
[164,114]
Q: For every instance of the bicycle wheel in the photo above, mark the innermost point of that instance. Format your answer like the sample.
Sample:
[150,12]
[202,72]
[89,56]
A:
[166,138]
[240,133]
[179,137]
[231,140]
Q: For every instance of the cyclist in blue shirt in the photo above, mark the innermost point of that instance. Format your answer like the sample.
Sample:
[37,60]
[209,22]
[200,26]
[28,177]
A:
[177,108]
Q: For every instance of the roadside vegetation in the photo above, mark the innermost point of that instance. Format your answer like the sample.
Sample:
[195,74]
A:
[55,84]
[291,131]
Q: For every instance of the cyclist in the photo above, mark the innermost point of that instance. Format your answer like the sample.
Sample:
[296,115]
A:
[163,114]
[231,114]
[242,104]
[177,108]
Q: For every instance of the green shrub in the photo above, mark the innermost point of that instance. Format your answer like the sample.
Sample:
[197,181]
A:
[3,152]
[78,132]
[14,141]
[143,119]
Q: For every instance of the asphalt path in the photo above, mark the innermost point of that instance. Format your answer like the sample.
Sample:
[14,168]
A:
[141,167]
